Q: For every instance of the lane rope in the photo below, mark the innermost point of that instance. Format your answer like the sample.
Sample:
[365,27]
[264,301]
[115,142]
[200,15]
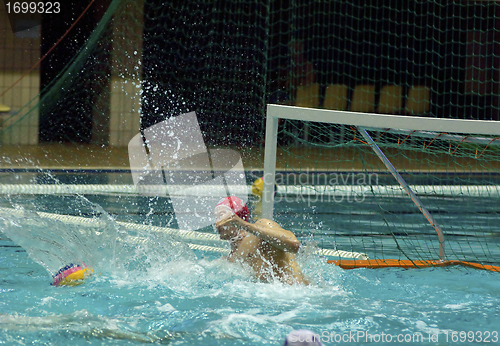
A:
[187,235]
[304,190]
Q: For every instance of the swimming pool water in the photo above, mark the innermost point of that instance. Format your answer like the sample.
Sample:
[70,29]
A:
[157,291]
[197,299]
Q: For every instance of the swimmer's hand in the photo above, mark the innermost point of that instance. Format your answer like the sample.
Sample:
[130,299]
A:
[229,220]
[223,214]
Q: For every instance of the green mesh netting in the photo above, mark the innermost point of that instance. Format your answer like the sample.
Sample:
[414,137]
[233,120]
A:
[145,61]
[332,170]
[226,60]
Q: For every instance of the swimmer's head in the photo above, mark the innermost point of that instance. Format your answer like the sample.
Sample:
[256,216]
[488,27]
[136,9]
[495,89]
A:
[231,204]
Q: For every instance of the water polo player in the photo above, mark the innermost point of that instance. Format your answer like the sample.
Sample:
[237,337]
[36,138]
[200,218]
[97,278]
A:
[266,247]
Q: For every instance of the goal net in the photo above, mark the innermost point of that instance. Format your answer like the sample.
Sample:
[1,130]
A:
[420,191]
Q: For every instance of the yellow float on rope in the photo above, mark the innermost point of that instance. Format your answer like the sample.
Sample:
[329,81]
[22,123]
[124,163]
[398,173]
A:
[258,187]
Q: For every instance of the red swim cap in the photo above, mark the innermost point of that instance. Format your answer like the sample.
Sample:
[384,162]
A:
[237,205]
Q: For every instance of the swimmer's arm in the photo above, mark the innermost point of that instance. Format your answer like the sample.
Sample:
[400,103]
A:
[277,237]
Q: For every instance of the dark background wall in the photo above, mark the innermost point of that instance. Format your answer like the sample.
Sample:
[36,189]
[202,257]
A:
[227,59]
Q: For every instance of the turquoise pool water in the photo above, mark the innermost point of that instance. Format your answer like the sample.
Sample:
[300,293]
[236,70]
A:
[203,300]
[150,289]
